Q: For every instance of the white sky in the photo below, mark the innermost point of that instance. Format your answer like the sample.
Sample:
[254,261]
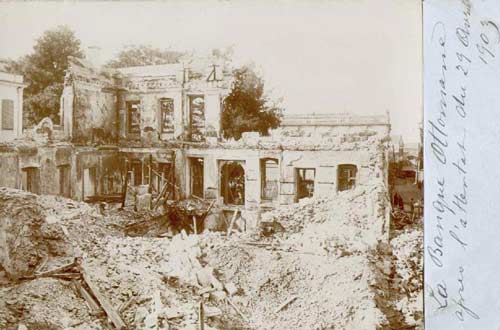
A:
[358,56]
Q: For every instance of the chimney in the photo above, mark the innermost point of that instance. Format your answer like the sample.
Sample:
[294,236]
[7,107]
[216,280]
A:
[94,56]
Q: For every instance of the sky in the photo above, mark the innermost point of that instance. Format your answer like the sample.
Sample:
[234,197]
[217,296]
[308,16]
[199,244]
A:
[355,56]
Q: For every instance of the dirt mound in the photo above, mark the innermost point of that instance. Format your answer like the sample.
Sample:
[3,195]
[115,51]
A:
[27,236]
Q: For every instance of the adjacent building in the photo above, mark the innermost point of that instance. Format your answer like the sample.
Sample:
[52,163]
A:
[11,106]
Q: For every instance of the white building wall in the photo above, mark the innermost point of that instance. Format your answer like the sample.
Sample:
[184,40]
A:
[11,88]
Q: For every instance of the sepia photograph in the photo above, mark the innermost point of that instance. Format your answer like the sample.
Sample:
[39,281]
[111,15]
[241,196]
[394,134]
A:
[211,165]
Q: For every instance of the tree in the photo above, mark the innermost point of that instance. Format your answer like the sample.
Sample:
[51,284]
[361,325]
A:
[247,108]
[44,72]
[140,55]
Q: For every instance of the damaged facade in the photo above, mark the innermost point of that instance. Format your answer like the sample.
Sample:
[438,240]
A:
[157,130]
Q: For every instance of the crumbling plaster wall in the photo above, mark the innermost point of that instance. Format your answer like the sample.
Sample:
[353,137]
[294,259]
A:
[46,158]
[326,163]
[89,104]
[105,161]
[150,114]
[9,168]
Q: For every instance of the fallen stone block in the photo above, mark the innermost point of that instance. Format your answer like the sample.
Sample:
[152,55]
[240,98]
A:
[216,283]
[218,296]
[211,311]
[143,202]
[171,313]
[230,288]
[205,276]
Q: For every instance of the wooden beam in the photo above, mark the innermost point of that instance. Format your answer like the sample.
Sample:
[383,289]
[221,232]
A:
[104,302]
[286,303]
[91,303]
[57,269]
[125,186]
[195,226]
[231,224]
[236,309]
[201,316]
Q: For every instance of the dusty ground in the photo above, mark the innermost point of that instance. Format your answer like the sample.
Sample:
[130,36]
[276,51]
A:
[326,262]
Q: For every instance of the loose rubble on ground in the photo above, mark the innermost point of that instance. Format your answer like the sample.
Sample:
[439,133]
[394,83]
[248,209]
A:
[312,265]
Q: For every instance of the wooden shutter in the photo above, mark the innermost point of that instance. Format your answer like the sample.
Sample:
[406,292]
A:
[7,114]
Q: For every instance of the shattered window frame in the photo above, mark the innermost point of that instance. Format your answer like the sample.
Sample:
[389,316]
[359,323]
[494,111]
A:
[166,106]
[133,117]
[346,176]
[165,169]
[197,120]
[232,187]
[269,188]
[304,183]
[196,176]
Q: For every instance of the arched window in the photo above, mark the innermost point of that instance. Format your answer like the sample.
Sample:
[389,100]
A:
[233,183]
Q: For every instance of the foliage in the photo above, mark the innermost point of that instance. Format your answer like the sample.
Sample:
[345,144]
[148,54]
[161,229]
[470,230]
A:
[140,55]
[247,108]
[44,71]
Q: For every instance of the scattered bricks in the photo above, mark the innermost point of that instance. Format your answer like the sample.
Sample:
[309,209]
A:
[230,288]
[218,296]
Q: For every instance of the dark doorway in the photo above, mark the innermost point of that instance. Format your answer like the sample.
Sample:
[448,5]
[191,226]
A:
[196,175]
[64,181]
[305,182]
[32,179]
[233,183]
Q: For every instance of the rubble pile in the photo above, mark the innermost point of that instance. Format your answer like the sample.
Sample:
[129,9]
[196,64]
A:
[339,224]
[407,247]
[306,276]
[279,289]
[28,234]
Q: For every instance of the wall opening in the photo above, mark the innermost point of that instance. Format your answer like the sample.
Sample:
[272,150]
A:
[270,175]
[305,182]
[136,167]
[196,176]
[32,182]
[89,182]
[165,174]
[133,117]
[346,176]
[232,183]
[64,181]
[167,115]
[197,117]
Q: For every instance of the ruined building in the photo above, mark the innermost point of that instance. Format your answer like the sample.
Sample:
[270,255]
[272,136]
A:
[158,128]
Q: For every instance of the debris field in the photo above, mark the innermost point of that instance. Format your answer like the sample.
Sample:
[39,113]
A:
[316,264]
